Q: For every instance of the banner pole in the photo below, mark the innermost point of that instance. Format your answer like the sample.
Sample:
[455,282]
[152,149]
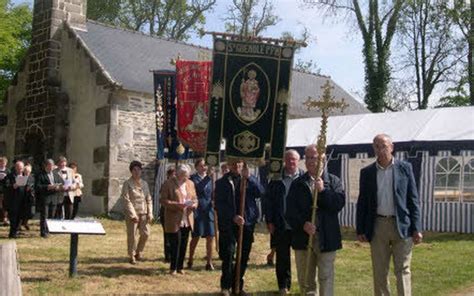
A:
[243,189]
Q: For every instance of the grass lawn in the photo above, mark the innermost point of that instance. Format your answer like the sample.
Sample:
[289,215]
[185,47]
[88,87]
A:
[442,265]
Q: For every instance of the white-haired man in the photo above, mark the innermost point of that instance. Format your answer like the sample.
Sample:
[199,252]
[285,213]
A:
[275,210]
[388,216]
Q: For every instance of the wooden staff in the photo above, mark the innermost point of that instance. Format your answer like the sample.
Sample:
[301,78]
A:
[216,225]
[243,188]
[326,103]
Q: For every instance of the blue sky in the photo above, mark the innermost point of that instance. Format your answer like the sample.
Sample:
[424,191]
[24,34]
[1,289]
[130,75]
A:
[334,46]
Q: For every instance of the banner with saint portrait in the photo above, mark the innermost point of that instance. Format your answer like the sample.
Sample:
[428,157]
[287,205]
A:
[249,100]
[192,88]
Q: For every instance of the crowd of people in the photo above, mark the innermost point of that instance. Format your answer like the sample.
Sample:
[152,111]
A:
[200,205]
[388,217]
[55,191]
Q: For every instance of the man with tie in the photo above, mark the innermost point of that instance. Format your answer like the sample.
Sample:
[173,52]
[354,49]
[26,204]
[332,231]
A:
[47,187]
[388,216]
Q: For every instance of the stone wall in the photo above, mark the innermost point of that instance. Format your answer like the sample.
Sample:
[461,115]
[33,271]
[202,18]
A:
[88,121]
[37,108]
[132,137]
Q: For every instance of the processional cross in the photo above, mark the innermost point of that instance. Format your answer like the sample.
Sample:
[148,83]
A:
[325,105]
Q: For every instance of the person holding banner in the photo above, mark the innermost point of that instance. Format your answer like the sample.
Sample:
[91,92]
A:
[228,199]
[204,214]
[178,196]
[138,211]
[331,200]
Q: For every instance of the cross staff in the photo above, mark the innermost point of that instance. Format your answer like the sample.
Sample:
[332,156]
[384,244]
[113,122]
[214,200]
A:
[325,105]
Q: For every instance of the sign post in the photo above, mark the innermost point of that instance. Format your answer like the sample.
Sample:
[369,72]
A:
[74,228]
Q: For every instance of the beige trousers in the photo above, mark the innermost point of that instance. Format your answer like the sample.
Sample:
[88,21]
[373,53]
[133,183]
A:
[386,242]
[321,266]
[143,230]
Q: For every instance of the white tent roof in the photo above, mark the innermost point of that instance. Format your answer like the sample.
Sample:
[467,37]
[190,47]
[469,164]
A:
[443,124]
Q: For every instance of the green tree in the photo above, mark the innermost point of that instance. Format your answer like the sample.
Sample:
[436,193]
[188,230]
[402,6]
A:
[15,36]
[165,18]
[461,13]
[433,50]
[307,66]
[377,22]
[250,17]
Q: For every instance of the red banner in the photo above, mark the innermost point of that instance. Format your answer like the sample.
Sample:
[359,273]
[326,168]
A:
[192,87]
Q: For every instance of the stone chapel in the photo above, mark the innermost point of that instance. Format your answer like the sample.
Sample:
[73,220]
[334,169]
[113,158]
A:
[85,91]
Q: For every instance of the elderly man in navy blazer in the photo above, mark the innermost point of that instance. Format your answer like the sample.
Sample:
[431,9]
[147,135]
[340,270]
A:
[388,216]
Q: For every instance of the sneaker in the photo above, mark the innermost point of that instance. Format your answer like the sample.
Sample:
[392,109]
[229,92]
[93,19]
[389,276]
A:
[283,291]
[225,292]
[132,260]
[190,264]
[173,272]
[181,271]
[209,267]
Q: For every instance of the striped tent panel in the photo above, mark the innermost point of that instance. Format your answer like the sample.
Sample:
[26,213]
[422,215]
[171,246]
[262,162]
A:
[362,155]
[401,155]
[159,179]
[347,217]
[451,217]
[466,153]
[426,189]
[444,153]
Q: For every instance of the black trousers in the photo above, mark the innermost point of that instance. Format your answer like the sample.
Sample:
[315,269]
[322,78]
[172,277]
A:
[283,258]
[178,243]
[75,206]
[68,208]
[227,248]
[47,211]
[15,207]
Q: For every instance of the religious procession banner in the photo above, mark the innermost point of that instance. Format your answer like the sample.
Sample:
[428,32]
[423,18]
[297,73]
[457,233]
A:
[249,100]
[165,108]
[192,87]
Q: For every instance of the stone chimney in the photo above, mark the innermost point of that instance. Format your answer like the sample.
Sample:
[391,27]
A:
[43,113]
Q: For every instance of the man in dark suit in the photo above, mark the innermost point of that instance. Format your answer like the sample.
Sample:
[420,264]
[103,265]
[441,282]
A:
[275,210]
[229,219]
[326,231]
[47,187]
[388,216]
[16,195]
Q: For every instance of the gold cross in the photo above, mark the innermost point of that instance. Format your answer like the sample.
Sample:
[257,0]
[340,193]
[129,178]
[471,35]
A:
[325,104]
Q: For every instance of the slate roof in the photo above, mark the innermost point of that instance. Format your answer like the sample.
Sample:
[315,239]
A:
[128,57]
